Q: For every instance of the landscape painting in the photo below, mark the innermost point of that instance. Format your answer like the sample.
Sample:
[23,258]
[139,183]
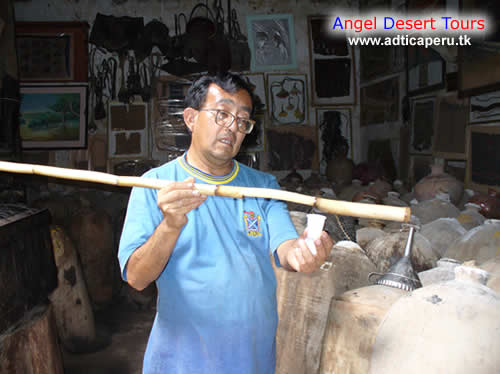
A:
[53,117]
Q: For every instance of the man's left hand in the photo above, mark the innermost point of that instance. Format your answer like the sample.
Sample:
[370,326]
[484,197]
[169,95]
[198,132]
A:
[299,257]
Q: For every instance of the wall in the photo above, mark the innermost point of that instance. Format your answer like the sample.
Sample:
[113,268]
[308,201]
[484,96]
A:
[86,10]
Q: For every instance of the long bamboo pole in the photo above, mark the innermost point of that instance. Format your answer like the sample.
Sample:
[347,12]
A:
[344,208]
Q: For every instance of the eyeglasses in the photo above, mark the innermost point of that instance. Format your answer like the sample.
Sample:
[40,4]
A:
[226,119]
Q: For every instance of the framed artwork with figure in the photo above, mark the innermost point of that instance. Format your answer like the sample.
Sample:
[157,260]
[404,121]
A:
[271,39]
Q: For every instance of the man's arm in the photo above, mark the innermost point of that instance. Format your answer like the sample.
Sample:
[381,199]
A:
[148,261]
[294,254]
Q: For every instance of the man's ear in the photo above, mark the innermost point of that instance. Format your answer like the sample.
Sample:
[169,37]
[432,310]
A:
[190,117]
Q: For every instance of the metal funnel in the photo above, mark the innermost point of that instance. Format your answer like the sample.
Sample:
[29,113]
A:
[401,274]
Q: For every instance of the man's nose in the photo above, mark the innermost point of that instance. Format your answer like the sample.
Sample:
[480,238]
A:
[234,125]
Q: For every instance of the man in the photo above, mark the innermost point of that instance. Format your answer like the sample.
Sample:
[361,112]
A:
[209,256]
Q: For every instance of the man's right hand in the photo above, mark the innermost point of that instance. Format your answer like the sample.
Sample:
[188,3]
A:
[176,200]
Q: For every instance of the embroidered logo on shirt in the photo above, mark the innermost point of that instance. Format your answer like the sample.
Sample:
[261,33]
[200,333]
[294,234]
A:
[252,223]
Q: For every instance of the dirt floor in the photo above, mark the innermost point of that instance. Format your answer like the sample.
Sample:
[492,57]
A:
[125,328]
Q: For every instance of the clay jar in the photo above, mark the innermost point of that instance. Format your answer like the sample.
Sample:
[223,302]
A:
[470,217]
[349,191]
[442,232]
[385,250]
[479,244]
[490,203]
[437,207]
[448,327]
[439,181]
[339,171]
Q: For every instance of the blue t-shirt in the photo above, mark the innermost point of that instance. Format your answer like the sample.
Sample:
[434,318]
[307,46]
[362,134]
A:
[216,309]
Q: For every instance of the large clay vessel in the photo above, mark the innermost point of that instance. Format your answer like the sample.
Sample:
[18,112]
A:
[444,271]
[353,320]
[339,171]
[492,266]
[489,203]
[479,244]
[92,234]
[439,182]
[70,300]
[470,216]
[442,232]
[448,327]
[393,199]
[365,235]
[349,191]
[437,207]
[303,304]
[384,251]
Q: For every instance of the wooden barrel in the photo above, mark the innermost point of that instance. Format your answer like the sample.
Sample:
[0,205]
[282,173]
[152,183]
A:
[70,300]
[32,347]
[303,304]
[353,320]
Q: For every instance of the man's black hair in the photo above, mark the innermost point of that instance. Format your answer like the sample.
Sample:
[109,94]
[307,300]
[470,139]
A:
[229,82]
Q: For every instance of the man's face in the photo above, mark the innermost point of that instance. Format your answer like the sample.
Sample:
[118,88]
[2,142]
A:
[215,143]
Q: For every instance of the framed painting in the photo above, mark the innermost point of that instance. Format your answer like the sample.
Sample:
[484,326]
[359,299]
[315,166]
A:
[128,130]
[333,123]
[271,39]
[331,62]
[451,122]
[52,51]
[287,99]
[53,117]
[485,108]
[423,118]
[257,83]
[426,70]
[483,157]
[378,61]
[292,147]
[478,63]
[380,102]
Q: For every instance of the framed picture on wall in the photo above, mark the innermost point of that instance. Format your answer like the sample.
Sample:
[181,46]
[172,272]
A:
[426,70]
[288,103]
[52,51]
[271,39]
[333,122]
[332,67]
[478,63]
[485,108]
[258,86]
[128,130]
[423,118]
[53,117]
[483,157]
[380,102]
[292,147]
[378,61]
[451,122]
